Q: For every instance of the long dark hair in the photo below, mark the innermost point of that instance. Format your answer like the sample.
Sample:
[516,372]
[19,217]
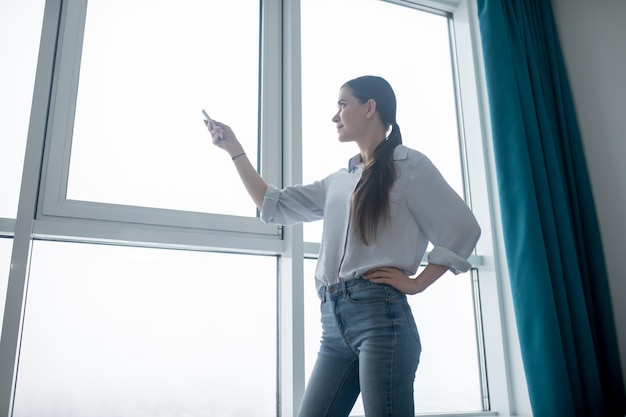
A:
[371,197]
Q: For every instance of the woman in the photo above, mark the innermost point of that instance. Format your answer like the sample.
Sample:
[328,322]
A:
[379,215]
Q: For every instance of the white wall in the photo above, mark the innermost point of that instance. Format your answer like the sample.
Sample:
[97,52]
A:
[593,39]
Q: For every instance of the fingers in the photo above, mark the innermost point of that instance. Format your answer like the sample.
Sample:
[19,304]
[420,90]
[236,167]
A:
[216,130]
[377,276]
[384,275]
[392,277]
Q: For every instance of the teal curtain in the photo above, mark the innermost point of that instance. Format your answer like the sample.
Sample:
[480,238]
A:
[554,253]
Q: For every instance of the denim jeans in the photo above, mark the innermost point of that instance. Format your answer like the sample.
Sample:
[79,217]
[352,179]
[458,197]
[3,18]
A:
[370,345]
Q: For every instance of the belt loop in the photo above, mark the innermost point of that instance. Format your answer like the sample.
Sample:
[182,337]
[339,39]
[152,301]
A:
[345,288]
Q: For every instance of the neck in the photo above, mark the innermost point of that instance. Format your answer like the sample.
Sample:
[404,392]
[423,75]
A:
[367,150]
[373,136]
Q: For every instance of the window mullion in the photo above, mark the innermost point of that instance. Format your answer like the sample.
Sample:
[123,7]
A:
[291,271]
[20,259]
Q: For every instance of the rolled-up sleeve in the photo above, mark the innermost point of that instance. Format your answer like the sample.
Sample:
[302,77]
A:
[294,204]
[444,217]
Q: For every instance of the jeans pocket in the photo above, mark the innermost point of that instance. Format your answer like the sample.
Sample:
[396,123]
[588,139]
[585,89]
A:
[411,321]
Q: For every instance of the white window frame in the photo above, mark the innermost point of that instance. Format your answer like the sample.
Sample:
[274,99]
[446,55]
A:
[182,227]
[44,213]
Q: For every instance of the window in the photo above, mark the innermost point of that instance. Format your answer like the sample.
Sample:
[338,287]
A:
[415,57]
[143,257]
[126,138]
[138,135]
[114,331]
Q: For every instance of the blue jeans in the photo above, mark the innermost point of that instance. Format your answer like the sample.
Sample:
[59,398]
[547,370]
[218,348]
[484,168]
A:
[370,344]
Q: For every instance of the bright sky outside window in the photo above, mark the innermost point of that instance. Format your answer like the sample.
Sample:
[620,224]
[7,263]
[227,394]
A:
[147,332]
[20,30]
[414,56]
[147,70]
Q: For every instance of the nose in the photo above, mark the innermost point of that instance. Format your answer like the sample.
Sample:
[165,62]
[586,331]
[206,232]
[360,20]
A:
[335,118]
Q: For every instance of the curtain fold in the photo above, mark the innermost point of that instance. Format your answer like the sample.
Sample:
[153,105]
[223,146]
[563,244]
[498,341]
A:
[554,253]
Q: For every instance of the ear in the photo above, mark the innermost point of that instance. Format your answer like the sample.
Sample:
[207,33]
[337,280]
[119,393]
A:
[371,108]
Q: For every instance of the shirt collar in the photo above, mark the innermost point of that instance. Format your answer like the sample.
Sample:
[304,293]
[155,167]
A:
[355,162]
[400,152]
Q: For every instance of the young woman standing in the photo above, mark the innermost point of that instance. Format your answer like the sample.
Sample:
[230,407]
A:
[379,215]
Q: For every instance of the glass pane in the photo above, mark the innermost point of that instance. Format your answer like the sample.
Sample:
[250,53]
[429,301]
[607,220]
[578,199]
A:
[147,70]
[20,31]
[6,249]
[118,331]
[448,376]
[414,57]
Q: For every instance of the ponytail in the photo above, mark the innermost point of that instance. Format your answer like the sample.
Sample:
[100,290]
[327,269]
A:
[371,197]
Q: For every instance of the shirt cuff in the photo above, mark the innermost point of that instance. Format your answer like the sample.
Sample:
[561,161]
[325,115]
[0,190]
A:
[442,256]
[270,200]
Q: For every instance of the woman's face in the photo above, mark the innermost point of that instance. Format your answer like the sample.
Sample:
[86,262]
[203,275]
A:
[350,117]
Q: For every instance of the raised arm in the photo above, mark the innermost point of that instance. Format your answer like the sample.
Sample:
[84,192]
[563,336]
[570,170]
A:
[224,138]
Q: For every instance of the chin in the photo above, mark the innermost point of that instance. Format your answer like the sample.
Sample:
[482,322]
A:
[343,139]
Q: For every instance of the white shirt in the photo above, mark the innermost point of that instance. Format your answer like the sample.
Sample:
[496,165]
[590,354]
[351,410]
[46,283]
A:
[423,208]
